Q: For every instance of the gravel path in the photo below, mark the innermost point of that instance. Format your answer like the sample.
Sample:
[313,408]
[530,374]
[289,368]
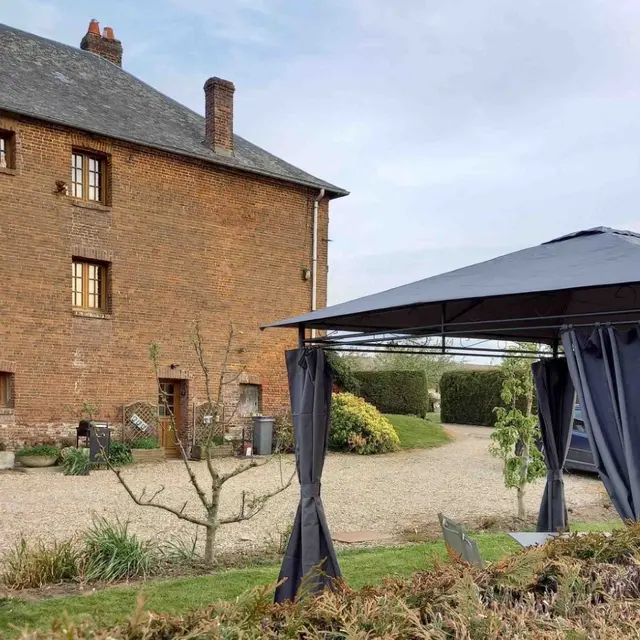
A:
[382,493]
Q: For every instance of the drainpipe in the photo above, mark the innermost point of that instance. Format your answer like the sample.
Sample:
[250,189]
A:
[314,263]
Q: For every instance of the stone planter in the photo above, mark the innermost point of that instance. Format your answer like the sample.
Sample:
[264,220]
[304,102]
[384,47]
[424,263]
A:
[37,461]
[148,455]
[198,452]
[7,458]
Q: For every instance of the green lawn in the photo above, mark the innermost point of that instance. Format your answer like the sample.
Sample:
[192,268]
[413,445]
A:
[360,567]
[415,433]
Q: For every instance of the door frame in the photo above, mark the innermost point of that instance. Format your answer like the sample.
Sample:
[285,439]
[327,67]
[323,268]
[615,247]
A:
[171,451]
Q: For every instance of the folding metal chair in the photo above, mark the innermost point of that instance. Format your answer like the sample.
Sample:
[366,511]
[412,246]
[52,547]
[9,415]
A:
[457,540]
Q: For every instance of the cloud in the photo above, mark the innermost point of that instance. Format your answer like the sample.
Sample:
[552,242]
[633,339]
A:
[242,22]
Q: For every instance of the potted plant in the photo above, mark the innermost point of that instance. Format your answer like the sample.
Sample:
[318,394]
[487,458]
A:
[7,458]
[147,450]
[40,455]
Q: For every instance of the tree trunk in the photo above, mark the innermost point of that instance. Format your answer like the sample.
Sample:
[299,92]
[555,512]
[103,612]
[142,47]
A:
[208,546]
[212,517]
[522,514]
[524,468]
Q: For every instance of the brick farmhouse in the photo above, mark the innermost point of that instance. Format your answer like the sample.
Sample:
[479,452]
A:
[124,217]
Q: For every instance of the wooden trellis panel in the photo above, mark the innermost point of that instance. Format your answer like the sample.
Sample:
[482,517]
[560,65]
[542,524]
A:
[203,423]
[140,420]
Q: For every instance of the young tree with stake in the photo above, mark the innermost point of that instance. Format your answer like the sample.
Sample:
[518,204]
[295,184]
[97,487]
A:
[516,431]
[209,496]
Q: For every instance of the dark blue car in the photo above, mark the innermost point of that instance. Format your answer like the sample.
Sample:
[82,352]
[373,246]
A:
[579,457]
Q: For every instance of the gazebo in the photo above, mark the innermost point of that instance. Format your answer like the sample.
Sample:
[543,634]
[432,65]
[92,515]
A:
[578,295]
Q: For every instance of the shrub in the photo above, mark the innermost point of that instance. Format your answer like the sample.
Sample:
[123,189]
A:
[75,462]
[39,450]
[399,392]
[120,454]
[344,377]
[34,565]
[146,443]
[359,427]
[283,433]
[112,553]
[469,397]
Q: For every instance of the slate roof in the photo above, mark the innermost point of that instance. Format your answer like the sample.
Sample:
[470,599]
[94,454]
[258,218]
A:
[64,85]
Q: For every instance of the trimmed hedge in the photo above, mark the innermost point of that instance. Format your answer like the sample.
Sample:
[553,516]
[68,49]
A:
[469,397]
[399,392]
[344,378]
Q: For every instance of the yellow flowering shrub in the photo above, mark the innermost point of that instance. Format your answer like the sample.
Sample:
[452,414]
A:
[359,427]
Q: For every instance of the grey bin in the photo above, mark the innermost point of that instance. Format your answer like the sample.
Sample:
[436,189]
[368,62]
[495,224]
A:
[262,435]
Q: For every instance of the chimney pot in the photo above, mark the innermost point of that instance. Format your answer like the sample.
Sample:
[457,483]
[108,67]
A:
[218,110]
[104,45]
[94,27]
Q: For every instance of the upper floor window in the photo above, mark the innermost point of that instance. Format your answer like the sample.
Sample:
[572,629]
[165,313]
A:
[88,176]
[6,390]
[6,150]
[89,285]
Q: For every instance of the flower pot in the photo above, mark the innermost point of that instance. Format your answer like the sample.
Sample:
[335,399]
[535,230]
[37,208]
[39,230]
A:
[37,461]
[7,459]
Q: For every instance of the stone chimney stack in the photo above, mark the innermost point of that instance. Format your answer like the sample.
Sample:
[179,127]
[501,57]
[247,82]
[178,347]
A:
[104,45]
[218,114]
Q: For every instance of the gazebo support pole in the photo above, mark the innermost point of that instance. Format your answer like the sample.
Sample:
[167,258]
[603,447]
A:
[443,319]
[301,335]
[555,349]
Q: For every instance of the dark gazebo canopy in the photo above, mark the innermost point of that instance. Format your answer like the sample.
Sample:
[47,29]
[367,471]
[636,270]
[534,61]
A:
[577,291]
[587,277]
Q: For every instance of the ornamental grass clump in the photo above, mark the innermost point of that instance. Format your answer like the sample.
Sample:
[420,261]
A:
[76,462]
[36,564]
[358,427]
[112,553]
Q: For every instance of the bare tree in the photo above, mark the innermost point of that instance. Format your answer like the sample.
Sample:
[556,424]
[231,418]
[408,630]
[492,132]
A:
[208,497]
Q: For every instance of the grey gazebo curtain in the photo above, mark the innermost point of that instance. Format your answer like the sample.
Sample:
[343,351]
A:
[310,385]
[556,399]
[605,368]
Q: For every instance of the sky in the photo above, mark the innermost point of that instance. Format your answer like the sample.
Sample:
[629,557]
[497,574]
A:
[463,129]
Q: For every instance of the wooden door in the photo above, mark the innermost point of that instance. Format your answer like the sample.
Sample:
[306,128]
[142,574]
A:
[169,415]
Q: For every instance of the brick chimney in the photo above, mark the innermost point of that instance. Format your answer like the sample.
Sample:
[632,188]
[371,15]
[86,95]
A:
[104,45]
[218,114]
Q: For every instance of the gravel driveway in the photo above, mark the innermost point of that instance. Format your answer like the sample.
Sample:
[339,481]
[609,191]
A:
[381,493]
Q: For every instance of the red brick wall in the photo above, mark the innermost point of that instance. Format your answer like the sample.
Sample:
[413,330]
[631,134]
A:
[184,239]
